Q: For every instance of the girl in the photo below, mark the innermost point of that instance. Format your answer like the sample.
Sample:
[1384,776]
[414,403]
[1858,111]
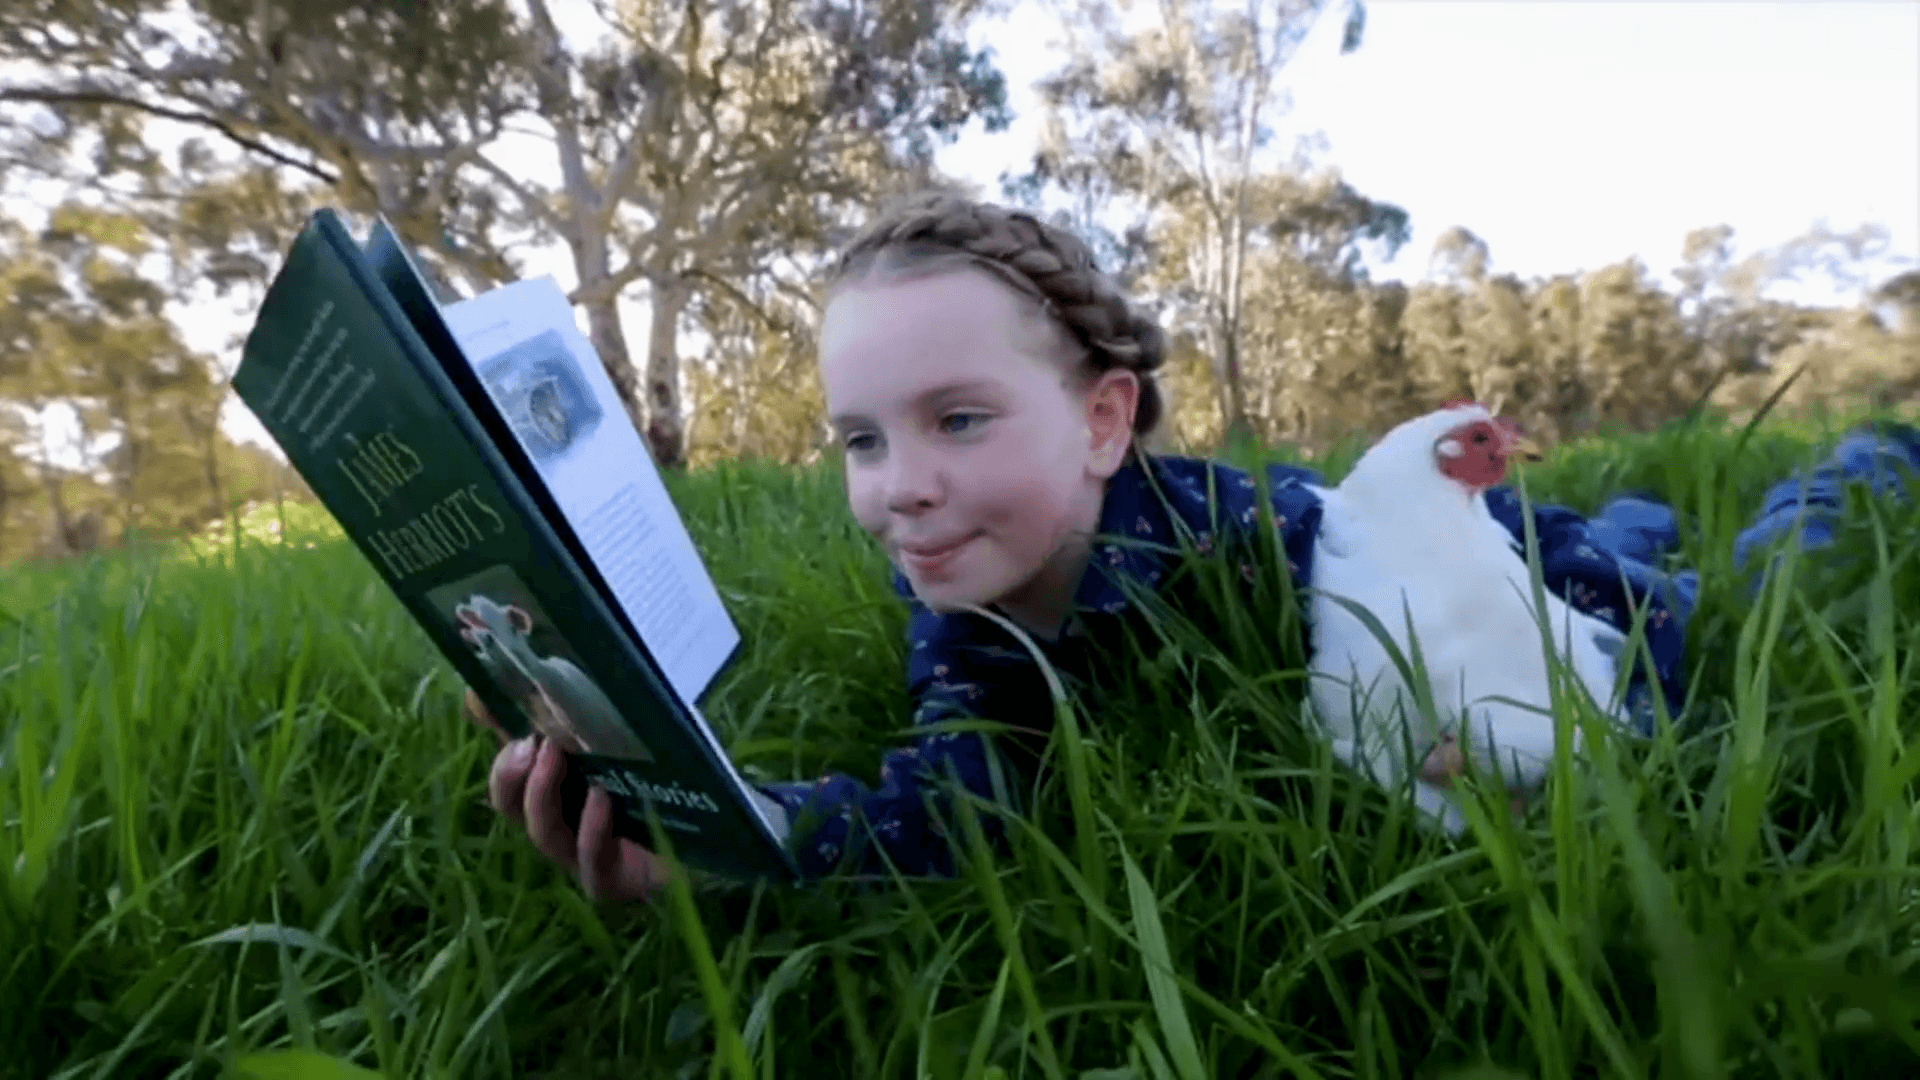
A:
[990,386]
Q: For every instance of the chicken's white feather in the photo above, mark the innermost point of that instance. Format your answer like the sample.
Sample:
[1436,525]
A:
[1406,543]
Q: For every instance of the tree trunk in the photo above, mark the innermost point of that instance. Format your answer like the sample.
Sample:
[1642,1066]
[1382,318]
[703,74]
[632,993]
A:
[129,486]
[1222,322]
[67,531]
[586,229]
[666,427]
[1223,342]
[1217,367]
[1236,418]
[208,436]
[56,503]
[1235,422]
[610,341]
[210,462]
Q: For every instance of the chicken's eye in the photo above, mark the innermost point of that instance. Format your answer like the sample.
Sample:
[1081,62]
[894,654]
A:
[1479,436]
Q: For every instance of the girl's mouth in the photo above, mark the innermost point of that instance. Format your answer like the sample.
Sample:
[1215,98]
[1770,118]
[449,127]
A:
[928,559]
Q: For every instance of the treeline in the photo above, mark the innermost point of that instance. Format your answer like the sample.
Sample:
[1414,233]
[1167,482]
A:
[85,325]
[1325,354]
[704,158]
[1610,349]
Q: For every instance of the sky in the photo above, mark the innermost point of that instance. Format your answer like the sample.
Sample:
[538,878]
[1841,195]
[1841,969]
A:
[1567,135]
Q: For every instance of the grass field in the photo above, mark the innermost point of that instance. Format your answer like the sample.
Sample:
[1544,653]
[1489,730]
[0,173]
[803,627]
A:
[239,814]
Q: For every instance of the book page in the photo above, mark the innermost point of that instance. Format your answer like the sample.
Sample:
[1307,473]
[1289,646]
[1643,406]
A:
[549,383]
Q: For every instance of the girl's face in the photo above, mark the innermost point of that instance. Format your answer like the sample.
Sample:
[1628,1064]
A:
[973,457]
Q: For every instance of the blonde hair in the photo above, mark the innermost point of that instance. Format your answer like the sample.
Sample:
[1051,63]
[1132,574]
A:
[938,231]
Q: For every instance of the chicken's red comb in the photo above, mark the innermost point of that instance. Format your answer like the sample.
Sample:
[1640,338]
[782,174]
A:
[1455,403]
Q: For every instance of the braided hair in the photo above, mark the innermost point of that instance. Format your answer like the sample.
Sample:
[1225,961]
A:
[936,231]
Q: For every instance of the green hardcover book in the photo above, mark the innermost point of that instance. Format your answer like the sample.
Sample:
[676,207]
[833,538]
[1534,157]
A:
[479,458]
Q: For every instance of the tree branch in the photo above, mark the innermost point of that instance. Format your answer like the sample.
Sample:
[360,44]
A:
[540,208]
[739,297]
[55,96]
[611,284]
[626,165]
[556,103]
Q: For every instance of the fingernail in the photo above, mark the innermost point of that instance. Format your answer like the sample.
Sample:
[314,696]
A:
[521,752]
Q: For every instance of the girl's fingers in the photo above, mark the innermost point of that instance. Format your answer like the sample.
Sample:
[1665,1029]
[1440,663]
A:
[523,785]
[507,779]
[1444,763]
[594,843]
[646,871]
[613,869]
[599,852]
[546,826]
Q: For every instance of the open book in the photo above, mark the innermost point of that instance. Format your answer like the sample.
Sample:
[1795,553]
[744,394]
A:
[479,457]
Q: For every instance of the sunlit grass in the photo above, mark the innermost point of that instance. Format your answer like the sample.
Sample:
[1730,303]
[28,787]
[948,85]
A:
[239,813]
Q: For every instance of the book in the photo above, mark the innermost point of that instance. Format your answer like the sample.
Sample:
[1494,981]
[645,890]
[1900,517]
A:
[479,457]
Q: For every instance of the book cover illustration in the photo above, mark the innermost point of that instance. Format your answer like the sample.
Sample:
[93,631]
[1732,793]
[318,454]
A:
[525,653]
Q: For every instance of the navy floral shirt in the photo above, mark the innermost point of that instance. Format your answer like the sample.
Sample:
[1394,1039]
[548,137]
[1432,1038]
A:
[1884,457]
[962,665]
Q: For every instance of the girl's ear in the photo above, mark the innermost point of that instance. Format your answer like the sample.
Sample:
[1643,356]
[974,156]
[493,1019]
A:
[1111,403]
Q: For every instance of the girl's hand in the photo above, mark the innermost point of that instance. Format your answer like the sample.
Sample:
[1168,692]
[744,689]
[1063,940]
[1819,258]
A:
[524,787]
[1446,762]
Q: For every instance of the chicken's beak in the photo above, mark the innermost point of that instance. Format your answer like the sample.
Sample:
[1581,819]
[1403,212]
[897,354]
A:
[1519,443]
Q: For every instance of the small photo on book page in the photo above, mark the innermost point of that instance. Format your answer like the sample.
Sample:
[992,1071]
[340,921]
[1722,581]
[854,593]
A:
[546,379]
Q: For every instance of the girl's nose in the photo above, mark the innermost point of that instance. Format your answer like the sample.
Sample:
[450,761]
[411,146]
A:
[914,483]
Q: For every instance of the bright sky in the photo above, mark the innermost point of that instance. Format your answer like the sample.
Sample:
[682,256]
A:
[1570,135]
[1566,135]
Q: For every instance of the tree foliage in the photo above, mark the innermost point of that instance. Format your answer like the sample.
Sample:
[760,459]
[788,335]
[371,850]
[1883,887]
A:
[705,156]
[84,324]
[677,151]
[1331,358]
[1175,119]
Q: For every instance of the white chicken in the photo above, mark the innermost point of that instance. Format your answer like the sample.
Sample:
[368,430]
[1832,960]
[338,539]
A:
[1408,533]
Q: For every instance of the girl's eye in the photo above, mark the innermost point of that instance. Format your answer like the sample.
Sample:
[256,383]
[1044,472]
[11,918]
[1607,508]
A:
[961,423]
[862,443]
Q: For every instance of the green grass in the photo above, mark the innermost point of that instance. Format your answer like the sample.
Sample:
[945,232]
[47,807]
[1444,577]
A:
[239,813]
